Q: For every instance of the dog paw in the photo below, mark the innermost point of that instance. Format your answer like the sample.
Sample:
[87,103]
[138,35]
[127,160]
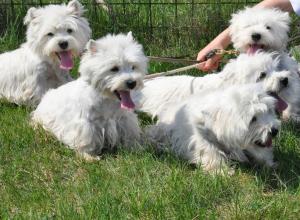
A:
[222,171]
[89,157]
[231,171]
[273,165]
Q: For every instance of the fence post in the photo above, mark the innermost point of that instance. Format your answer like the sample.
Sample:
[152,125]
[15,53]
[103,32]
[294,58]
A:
[12,9]
[176,19]
[150,19]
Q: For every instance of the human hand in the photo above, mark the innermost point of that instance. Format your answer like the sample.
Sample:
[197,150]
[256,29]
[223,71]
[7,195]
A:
[212,63]
[220,42]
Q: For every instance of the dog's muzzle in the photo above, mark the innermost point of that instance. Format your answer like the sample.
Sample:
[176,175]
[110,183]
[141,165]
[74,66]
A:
[274,132]
[268,143]
[131,84]
[284,82]
[256,37]
[63,44]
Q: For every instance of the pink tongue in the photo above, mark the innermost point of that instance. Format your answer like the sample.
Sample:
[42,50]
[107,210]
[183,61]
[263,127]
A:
[269,142]
[126,101]
[253,48]
[281,105]
[66,62]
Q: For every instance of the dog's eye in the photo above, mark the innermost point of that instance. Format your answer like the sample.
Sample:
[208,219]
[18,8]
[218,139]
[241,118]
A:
[50,34]
[254,119]
[114,69]
[268,27]
[262,76]
[70,31]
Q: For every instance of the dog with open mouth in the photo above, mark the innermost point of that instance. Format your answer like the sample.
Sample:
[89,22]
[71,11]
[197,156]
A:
[211,128]
[94,113]
[263,29]
[159,92]
[55,35]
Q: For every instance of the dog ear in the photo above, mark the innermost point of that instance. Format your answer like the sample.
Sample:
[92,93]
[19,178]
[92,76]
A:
[31,14]
[75,7]
[91,46]
[130,36]
[234,21]
[284,17]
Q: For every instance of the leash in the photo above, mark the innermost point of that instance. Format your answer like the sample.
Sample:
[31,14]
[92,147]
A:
[172,72]
[194,63]
[172,60]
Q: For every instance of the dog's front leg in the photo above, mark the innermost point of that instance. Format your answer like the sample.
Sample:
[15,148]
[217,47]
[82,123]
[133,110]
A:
[128,128]
[209,156]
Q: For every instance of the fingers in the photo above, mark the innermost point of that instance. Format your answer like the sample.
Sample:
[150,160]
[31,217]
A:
[210,64]
[201,55]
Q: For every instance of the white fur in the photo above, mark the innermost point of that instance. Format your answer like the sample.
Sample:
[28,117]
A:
[159,92]
[208,129]
[28,72]
[273,27]
[257,20]
[85,114]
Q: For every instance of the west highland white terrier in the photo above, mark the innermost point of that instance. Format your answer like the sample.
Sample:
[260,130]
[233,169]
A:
[159,92]
[208,129]
[94,112]
[55,34]
[254,29]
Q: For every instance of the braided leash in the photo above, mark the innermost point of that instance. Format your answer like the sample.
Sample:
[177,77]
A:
[195,64]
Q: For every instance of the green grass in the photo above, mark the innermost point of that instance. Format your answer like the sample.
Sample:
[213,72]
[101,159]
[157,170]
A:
[41,179]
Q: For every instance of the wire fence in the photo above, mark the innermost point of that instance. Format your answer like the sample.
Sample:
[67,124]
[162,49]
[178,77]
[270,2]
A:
[170,27]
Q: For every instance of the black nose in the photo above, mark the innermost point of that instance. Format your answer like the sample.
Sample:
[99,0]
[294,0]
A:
[284,81]
[274,132]
[63,44]
[131,84]
[256,37]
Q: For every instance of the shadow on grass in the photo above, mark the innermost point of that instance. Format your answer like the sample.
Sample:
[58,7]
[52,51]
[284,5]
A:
[287,153]
[4,104]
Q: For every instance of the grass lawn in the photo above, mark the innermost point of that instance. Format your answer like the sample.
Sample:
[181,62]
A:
[41,179]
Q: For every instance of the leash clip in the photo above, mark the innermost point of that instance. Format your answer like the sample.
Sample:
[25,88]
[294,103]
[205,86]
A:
[210,54]
[214,52]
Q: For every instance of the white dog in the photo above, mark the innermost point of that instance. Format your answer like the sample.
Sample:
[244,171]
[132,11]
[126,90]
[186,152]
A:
[254,29]
[209,128]
[159,92]
[55,33]
[92,113]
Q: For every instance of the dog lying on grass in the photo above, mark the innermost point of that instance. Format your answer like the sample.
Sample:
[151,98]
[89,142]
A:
[210,128]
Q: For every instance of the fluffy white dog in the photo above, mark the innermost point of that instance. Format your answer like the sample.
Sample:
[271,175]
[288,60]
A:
[55,33]
[93,113]
[208,129]
[159,92]
[254,29]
